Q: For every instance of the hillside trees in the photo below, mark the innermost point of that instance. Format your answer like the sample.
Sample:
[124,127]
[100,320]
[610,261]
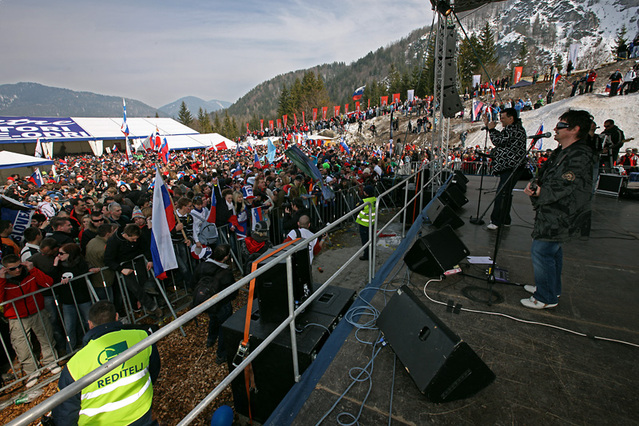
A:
[620,48]
[467,60]
[304,95]
[203,121]
[184,115]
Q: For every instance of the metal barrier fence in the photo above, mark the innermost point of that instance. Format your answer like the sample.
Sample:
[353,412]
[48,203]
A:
[384,198]
[65,324]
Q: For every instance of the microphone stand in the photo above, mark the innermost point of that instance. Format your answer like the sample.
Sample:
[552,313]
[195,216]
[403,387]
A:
[478,220]
[491,272]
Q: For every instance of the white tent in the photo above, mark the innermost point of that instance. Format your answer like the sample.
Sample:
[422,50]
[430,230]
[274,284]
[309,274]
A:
[9,160]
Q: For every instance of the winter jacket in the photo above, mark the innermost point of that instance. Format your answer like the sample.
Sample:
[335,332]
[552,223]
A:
[27,282]
[118,250]
[510,147]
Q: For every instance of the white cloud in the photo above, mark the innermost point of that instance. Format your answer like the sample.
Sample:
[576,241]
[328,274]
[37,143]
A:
[158,51]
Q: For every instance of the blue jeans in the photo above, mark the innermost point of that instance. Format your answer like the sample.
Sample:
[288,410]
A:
[71,321]
[547,259]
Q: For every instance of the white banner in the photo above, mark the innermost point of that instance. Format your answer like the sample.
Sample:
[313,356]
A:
[97,147]
[410,95]
[476,80]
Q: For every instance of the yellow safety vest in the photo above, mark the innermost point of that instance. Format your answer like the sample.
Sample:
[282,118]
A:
[362,217]
[121,396]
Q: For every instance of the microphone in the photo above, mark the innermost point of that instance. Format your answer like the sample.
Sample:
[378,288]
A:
[541,135]
[484,128]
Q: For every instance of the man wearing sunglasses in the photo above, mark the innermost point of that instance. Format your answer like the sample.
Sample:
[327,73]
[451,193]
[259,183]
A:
[561,199]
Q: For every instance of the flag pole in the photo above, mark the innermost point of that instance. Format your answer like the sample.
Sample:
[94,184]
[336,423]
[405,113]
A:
[177,218]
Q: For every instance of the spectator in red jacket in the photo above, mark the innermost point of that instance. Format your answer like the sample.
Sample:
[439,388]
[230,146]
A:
[26,314]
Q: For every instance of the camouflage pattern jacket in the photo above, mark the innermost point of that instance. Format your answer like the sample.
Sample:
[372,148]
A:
[563,205]
[510,147]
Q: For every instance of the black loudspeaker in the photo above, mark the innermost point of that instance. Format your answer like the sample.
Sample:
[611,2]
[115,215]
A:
[273,368]
[271,285]
[609,184]
[441,215]
[443,367]
[451,103]
[453,196]
[460,180]
[436,252]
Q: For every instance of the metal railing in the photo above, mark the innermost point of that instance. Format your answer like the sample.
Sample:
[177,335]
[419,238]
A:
[289,322]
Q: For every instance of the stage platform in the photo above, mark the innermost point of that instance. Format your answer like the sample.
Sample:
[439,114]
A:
[544,375]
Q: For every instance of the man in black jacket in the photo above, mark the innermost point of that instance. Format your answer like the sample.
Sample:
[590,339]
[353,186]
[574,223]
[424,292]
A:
[121,250]
[217,273]
[508,153]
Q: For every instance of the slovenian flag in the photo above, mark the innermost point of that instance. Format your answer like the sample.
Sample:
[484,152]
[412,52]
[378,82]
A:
[163,222]
[476,111]
[124,127]
[357,95]
[539,142]
[256,161]
[257,215]
[344,148]
[555,80]
[156,144]
[213,208]
[164,152]
[493,92]
[36,178]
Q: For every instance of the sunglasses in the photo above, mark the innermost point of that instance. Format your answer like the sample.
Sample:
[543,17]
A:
[562,125]
[97,220]
[15,268]
[62,252]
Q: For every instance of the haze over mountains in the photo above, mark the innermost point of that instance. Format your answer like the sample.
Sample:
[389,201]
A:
[548,27]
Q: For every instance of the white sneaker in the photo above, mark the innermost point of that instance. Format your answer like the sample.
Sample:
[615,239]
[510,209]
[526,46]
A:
[54,368]
[533,303]
[533,288]
[492,226]
[33,380]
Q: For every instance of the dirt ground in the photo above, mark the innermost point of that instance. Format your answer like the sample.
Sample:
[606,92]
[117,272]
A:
[189,371]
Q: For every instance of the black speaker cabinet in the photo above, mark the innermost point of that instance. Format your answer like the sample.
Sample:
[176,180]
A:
[273,368]
[609,184]
[441,215]
[453,196]
[436,252]
[443,367]
[271,285]
[460,180]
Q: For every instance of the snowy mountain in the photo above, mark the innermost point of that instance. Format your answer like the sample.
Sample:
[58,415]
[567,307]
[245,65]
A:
[549,27]
[193,104]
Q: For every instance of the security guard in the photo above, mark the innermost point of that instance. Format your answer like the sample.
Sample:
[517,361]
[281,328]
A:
[124,395]
[363,217]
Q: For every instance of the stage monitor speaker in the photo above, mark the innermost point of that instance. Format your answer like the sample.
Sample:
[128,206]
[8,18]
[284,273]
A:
[460,180]
[435,253]
[441,215]
[443,367]
[271,285]
[453,196]
[609,184]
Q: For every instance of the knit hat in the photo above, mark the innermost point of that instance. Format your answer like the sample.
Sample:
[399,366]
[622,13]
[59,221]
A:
[369,190]
[137,213]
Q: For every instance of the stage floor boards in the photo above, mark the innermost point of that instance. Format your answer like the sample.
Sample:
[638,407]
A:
[544,375]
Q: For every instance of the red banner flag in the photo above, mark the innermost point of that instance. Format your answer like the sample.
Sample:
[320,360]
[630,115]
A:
[518,72]
[295,118]
[261,125]
[303,117]
[284,119]
[357,106]
[247,128]
[314,114]
[279,123]
[324,111]
[336,110]
[369,103]
[384,100]
[346,109]
[270,124]
[395,97]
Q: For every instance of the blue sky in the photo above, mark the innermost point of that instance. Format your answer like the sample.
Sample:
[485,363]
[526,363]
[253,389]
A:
[158,51]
